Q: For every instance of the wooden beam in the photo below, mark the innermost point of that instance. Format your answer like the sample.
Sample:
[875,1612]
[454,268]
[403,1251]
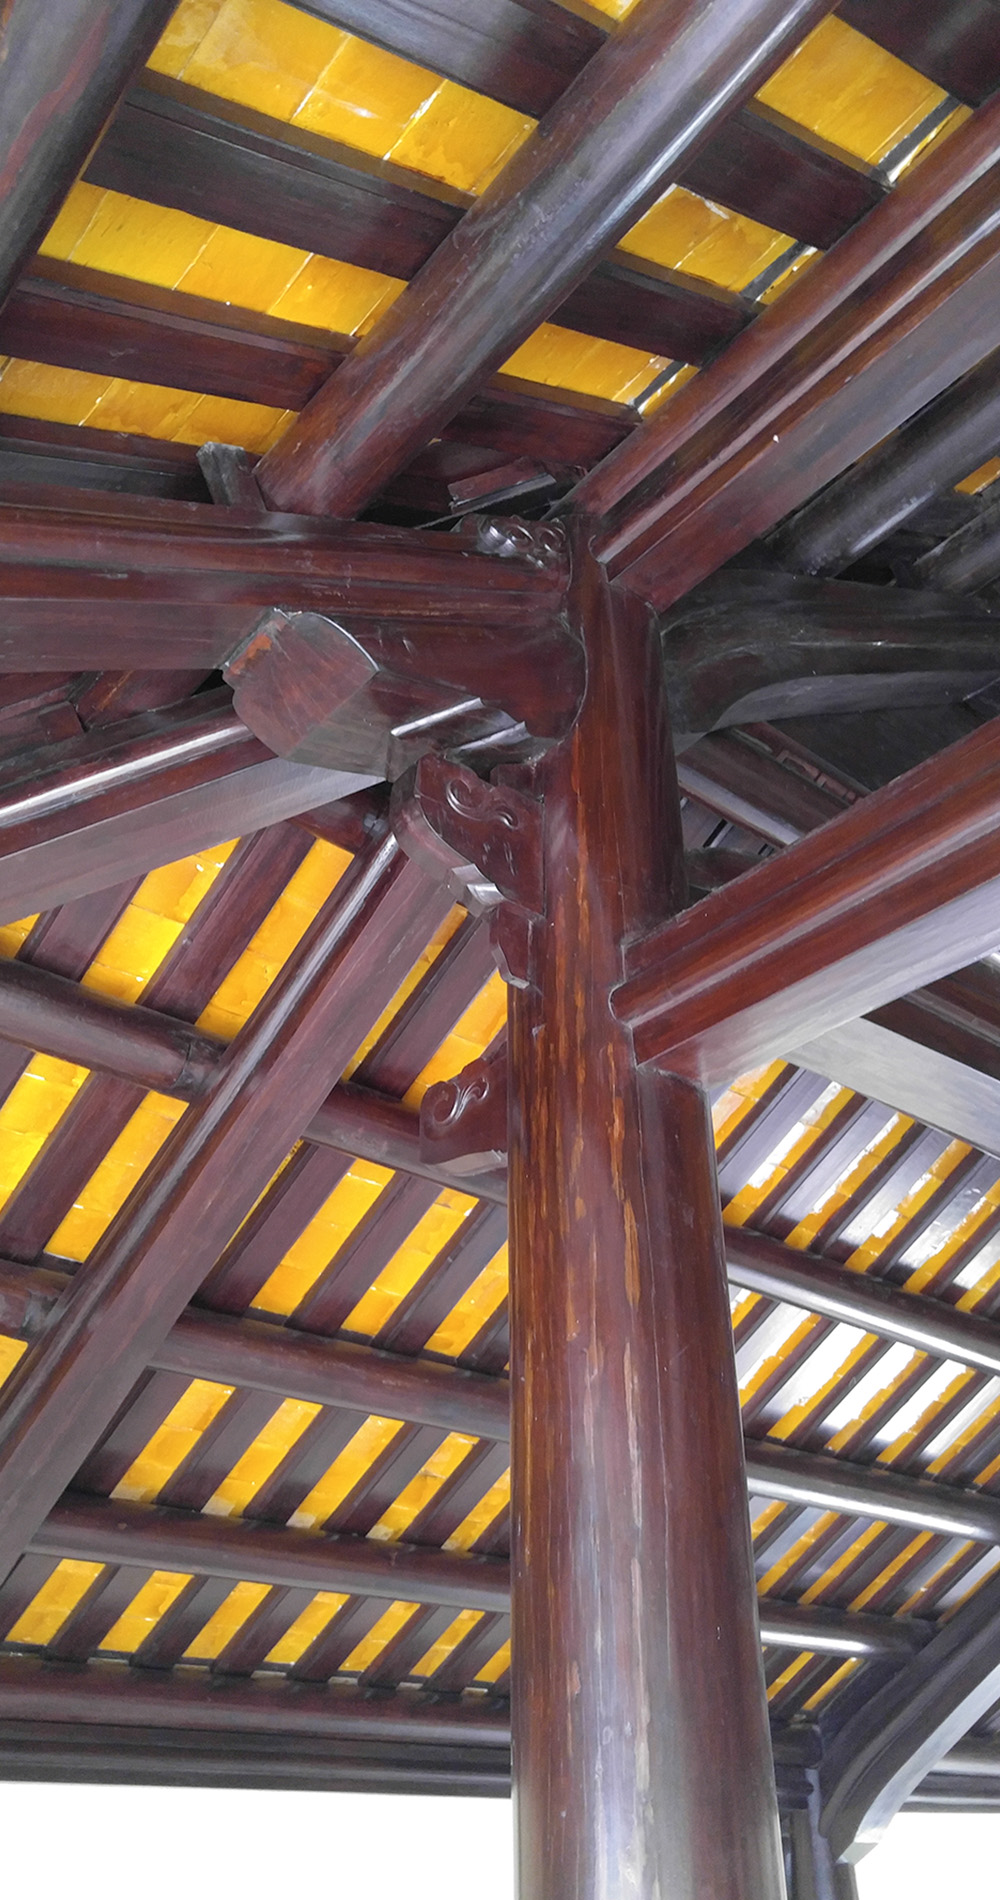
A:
[63,70]
[931,452]
[113,1532]
[967,559]
[831,1484]
[115,325]
[207,1176]
[174,145]
[526,52]
[92,812]
[67,455]
[901,888]
[105,1753]
[646,100]
[804,393]
[90,580]
[882,1753]
[33,1691]
[757,645]
[959,48]
[640,1727]
[142,1537]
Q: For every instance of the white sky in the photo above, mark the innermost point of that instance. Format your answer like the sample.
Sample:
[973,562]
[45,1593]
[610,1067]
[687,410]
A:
[70,1843]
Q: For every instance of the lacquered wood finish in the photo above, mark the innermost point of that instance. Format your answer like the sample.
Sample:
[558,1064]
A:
[640,1741]
[63,69]
[84,815]
[713,446]
[647,99]
[884,1751]
[902,887]
[143,1273]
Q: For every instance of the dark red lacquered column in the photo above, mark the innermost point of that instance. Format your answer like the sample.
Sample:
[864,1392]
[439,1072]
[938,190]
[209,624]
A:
[642,1758]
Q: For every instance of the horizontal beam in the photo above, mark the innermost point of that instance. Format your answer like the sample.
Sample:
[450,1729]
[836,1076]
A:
[94,811]
[32,1691]
[898,890]
[526,52]
[90,580]
[170,144]
[805,392]
[831,1484]
[102,1530]
[106,1531]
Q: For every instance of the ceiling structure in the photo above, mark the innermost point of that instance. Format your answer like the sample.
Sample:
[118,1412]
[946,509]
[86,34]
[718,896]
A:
[314,356]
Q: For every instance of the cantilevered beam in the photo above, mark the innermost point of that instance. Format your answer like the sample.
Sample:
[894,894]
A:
[645,102]
[762,645]
[902,887]
[64,67]
[206,1178]
[806,391]
[904,1731]
[94,811]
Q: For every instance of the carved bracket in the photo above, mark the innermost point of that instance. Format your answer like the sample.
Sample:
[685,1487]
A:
[463,1122]
[484,841]
[377,698]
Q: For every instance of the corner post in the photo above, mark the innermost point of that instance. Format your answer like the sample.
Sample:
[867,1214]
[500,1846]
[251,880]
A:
[642,1760]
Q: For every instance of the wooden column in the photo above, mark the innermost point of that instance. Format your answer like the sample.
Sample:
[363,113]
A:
[641,1748]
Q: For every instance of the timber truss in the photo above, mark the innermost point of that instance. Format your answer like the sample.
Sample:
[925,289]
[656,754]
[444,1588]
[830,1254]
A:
[614,776]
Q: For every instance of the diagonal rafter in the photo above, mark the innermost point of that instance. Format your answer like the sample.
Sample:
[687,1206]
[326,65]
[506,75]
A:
[647,100]
[218,1159]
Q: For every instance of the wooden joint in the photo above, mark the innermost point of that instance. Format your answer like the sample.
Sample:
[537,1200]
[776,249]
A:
[463,1122]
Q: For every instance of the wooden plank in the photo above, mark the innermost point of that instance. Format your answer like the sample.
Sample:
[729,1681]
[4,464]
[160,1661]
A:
[206,1178]
[898,890]
[526,52]
[62,73]
[884,1751]
[65,455]
[610,1171]
[112,326]
[956,46]
[647,99]
[172,145]
[111,806]
[801,372]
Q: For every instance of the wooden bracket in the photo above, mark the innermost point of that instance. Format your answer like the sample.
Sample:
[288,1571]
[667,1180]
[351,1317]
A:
[463,1122]
[484,841]
[229,476]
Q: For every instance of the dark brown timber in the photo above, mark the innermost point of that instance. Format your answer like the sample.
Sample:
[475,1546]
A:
[877,330]
[884,1751]
[205,1179]
[89,813]
[64,67]
[640,1728]
[644,103]
[900,889]
[33,1691]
